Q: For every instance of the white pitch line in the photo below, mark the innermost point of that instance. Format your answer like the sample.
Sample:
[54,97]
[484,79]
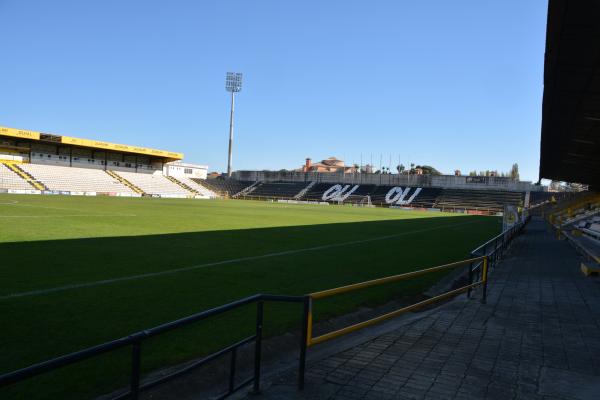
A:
[212,264]
[68,215]
[16,203]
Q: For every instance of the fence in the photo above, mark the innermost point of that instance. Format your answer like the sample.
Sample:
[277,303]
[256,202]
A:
[462,210]
[344,289]
[483,258]
[443,181]
[135,341]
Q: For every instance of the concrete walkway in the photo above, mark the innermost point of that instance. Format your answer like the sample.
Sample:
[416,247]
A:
[538,337]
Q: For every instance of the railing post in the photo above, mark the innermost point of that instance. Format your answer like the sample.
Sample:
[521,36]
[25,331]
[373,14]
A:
[303,342]
[484,276]
[135,369]
[470,278]
[258,346]
[232,370]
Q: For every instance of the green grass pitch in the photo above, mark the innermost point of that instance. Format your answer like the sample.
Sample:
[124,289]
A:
[78,271]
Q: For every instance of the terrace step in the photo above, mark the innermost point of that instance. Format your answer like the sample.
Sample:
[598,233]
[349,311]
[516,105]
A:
[305,190]
[125,182]
[183,185]
[25,176]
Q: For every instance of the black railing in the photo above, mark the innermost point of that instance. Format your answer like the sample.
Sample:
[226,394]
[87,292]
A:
[135,341]
[493,249]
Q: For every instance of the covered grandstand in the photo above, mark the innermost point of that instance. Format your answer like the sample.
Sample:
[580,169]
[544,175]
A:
[37,162]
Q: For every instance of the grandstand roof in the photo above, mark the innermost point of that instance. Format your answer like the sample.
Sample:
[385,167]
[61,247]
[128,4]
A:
[570,142]
[94,144]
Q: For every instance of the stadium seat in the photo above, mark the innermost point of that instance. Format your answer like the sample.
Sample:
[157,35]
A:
[75,179]
[223,187]
[278,190]
[154,184]
[10,180]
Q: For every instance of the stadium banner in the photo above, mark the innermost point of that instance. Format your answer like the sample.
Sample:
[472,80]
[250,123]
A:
[476,212]
[23,191]
[76,193]
[320,203]
[3,190]
[19,133]
[477,179]
[96,144]
[89,193]
[511,217]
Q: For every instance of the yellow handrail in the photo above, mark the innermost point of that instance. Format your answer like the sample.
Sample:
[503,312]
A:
[393,278]
[310,340]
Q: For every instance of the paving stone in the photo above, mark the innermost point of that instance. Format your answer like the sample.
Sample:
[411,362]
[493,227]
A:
[537,337]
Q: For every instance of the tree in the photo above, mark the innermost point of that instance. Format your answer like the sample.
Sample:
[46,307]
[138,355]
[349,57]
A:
[400,168]
[514,172]
[428,169]
[473,173]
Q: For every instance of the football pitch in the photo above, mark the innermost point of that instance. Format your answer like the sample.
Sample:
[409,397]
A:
[78,271]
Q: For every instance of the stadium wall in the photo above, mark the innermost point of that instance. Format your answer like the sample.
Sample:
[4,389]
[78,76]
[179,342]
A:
[440,181]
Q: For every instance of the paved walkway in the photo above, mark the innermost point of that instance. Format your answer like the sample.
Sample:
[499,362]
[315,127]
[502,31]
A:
[538,337]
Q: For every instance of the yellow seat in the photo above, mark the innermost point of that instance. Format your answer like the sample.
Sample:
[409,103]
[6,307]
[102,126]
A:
[590,268]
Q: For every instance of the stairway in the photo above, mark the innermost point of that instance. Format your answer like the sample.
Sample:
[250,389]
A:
[183,185]
[125,182]
[305,190]
[247,190]
[38,185]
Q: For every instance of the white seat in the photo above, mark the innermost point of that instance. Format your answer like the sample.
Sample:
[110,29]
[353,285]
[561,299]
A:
[154,183]
[75,179]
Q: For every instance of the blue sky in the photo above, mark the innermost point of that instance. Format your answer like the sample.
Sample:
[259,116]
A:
[453,84]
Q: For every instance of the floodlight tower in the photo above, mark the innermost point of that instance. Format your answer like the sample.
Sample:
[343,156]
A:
[233,84]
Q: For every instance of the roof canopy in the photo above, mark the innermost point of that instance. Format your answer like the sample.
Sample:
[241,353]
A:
[94,144]
[570,143]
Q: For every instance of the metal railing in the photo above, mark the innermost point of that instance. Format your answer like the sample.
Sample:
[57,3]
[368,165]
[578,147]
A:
[485,211]
[493,249]
[484,257]
[135,341]
[310,340]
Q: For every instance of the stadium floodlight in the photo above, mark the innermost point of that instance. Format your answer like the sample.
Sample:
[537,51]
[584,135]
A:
[233,84]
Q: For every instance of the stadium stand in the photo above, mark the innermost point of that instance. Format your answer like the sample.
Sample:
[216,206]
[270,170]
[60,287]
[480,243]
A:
[75,179]
[196,187]
[590,226]
[11,180]
[224,187]
[282,190]
[538,198]
[335,192]
[154,184]
[491,200]
[425,198]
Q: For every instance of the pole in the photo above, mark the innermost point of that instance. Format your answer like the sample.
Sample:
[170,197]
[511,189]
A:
[484,278]
[258,346]
[230,134]
[303,342]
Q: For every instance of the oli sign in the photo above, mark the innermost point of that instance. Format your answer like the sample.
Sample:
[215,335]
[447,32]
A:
[395,196]
[339,192]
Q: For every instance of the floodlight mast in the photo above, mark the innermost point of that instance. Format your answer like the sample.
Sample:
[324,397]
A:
[233,84]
